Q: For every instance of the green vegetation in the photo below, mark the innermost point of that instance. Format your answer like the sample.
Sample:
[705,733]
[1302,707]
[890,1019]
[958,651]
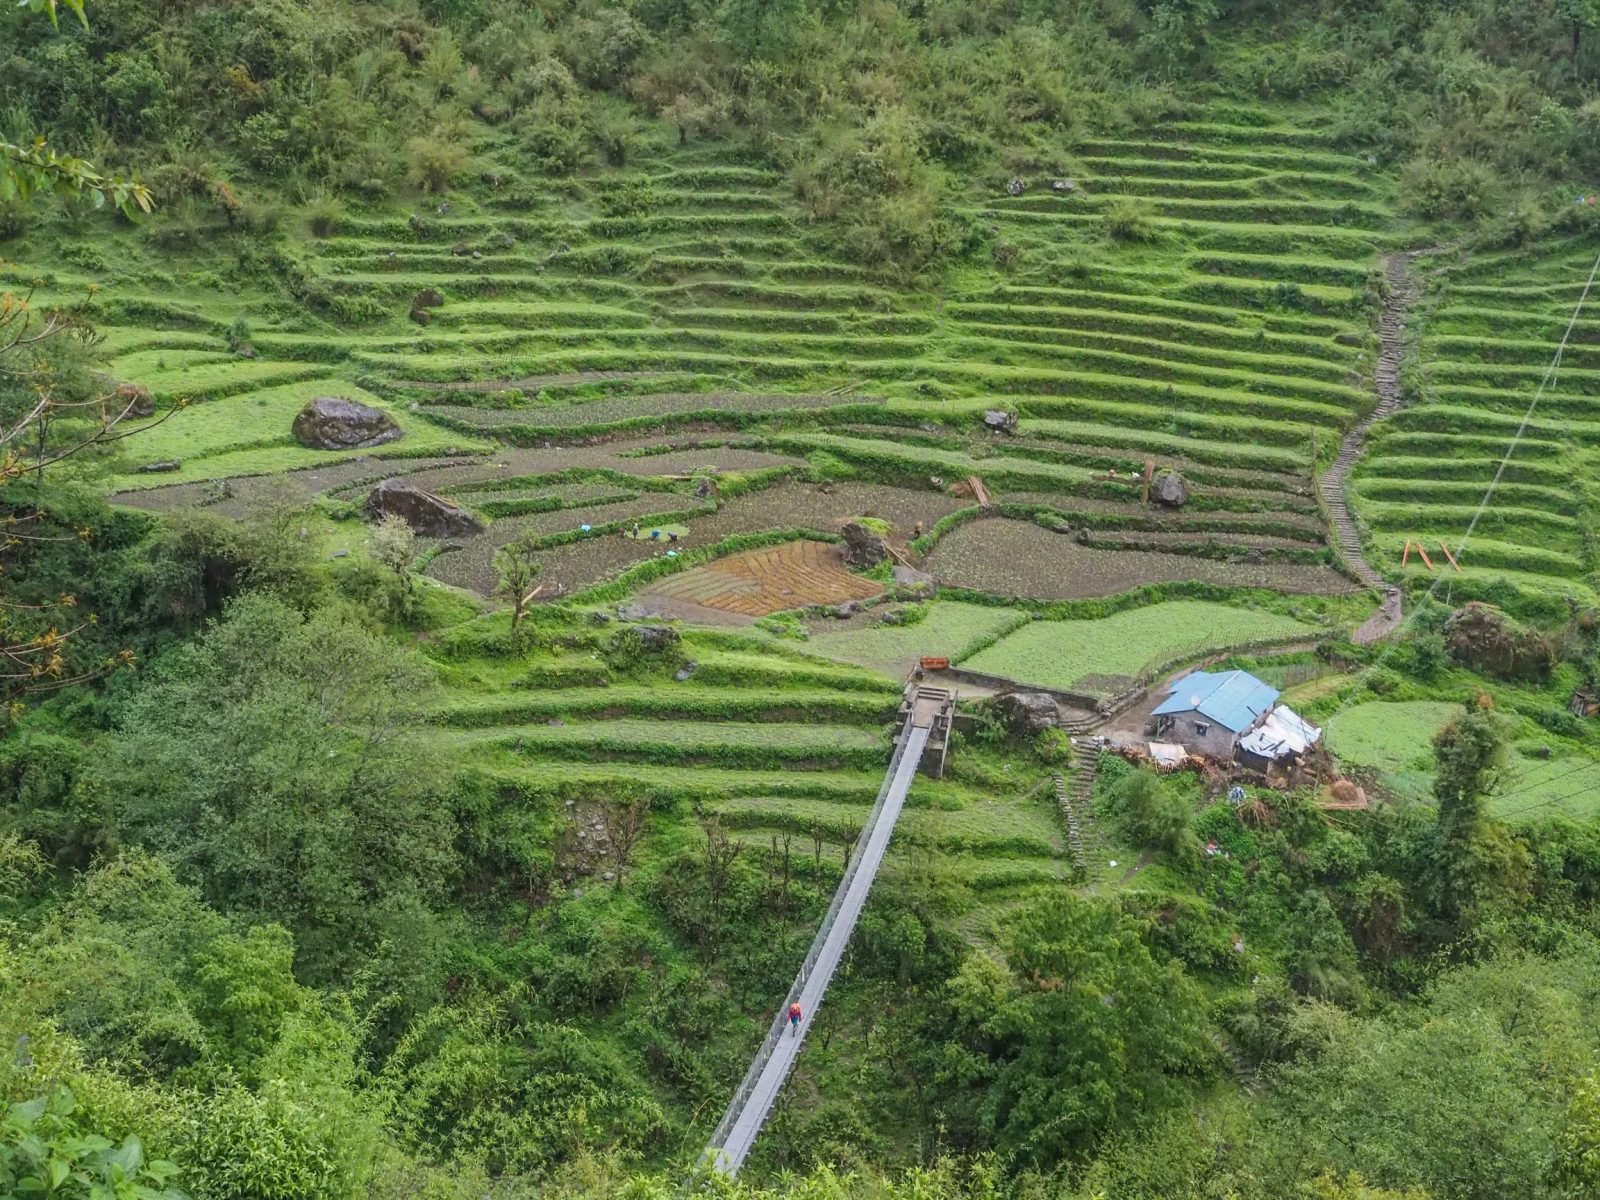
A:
[1060,653]
[1492,332]
[1389,736]
[949,629]
[449,858]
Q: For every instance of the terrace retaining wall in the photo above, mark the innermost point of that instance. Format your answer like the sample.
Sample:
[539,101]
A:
[1001,683]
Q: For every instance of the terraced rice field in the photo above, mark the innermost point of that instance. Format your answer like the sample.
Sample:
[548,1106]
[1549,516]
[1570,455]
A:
[757,583]
[1018,559]
[771,739]
[702,361]
[1233,345]
[1065,654]
[1488,341]
[949,630]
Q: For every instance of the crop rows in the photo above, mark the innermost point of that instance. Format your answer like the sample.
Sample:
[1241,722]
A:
[1233,347]
[1485,353]
[767,738]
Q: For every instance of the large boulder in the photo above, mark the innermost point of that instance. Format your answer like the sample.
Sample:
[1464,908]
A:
[1482,637]
[136,401]
[424,301]
[912,584]
[338,423]
[863,547]
[1170,489]
[429,515]
[1027,713]
[999,420]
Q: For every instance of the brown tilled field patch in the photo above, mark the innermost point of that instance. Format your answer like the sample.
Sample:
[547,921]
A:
[758,583]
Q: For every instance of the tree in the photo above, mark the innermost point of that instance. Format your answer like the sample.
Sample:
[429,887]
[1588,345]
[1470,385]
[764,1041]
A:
[720,855]
[1473,859]
[1579,15]
[394,545]
[1464,1093]
[29,169]
[146,977]
[275,761]
[51,9]
[1147,813]
[517,565]
[43,423]
[1085,1031]
[20,864]
[1577,1166]
[1327,1186]
[623,818]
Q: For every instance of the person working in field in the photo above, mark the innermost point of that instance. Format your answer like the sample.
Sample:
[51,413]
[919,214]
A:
[794,1017]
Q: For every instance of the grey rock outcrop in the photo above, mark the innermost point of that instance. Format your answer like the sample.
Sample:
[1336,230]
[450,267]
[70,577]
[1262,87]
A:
[1027,713]
[862,546]
[1170,489]
[135,400]
[913,584]
[429,515]
[338,423]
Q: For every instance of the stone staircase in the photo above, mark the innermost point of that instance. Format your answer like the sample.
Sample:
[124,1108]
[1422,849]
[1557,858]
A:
[1074,833]
[1076,801]
[1402,291]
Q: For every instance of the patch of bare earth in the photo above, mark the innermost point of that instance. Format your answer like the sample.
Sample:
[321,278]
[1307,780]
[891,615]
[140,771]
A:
[758,583]
[1020,559]
[581,564]
[238,496]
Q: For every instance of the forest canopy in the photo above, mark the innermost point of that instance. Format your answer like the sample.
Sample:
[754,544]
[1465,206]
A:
[882,114]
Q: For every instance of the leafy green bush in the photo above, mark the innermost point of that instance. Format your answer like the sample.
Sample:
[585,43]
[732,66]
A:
[323,216]
[907,614]
[434,161]
[637,647]
[1129,219]
[1145,812]
[875,187]
[49,1148]
[1453,189]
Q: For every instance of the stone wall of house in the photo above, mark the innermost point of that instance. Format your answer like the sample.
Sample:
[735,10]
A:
[1217,741]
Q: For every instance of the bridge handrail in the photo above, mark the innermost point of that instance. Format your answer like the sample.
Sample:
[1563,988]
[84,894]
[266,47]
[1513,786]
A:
[775,1032]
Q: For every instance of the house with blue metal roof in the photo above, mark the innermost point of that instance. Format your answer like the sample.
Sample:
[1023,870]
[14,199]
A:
[1207,712]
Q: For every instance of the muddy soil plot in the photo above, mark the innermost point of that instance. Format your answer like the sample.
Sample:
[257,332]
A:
[1088,508]
[1129,462]
[1019,559]
[807,506]
[578,565]
[632,408]
[568,495]
[1198,540]
[758,583]
[643,457]
[566,568]
[240,495]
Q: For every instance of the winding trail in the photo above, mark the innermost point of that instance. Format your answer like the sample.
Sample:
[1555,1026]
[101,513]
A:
[1402,291]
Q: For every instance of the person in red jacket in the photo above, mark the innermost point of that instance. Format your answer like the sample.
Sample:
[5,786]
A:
[794,1017]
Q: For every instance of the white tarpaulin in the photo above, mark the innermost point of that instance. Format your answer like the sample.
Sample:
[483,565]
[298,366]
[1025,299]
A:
[1283,733]
[1167,754]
